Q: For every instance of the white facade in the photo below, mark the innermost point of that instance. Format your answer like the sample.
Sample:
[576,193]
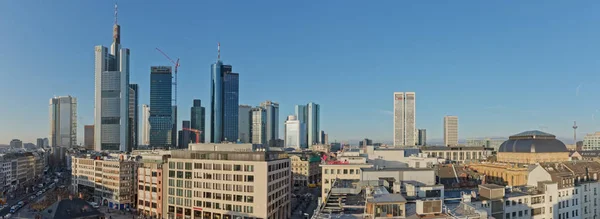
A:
[145,125]
[111,112]
[405,133]
[259,124]
[272,110]
[294,130]
[63,121]
[591,142]
[450,130]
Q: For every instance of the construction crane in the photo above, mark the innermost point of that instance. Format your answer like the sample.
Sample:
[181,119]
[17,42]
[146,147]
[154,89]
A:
[176,64]
[198,132]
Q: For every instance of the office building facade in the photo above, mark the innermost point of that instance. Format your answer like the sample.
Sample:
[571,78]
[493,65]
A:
[404,119]
[133,117]
[294,132]
[185,136]
[259,125]
[88,137]
[63,121]
[422,137]
[272,110]
[145,134]
[451,131]
[16,144]
[224,103]
[313,123]
[111,119]
[161,111]
[198,120]
[174,126]
[591,142]
[244,124]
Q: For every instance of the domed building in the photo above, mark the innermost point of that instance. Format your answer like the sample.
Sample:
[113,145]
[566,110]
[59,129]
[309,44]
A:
[532,147]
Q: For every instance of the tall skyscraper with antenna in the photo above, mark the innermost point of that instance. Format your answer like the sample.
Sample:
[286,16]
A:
[111,88]
[224,102]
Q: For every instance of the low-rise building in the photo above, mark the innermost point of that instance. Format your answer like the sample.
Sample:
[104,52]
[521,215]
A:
[457,154]
[227,181]
[107,179]
[305,168]
[150,185]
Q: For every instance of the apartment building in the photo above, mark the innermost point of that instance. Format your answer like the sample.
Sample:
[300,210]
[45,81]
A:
[6,178]
[305,168]
[227,181]
[457,154]
[107,179]
[150,185]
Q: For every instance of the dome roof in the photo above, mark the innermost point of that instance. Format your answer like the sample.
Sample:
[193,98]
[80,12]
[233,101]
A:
[533,142]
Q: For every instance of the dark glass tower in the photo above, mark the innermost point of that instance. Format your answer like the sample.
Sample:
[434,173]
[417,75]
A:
[133,117]
[224,103]
[198,120]
[160,106]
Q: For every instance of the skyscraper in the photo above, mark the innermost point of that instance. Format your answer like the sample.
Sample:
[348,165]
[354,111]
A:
[198,120]
[404,119]
[40,142]
[313,123]
[63,121]
[88,137]
[259,126]
[422,137]
[133,117]
[185,135]
[174,126]
[145,125]
[161,124]
[111,119]
[224,103]
[451,130]
[302,114]
[272,109]
[244,123]
[16,144]
[294,132]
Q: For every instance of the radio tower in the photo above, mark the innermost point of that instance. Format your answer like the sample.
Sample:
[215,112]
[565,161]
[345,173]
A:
[574,132]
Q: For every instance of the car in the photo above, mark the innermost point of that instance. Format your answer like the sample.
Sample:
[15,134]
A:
[94,205]
[13,209]
[7,216]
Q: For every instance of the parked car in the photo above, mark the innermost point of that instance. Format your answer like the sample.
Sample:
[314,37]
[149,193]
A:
[94,205]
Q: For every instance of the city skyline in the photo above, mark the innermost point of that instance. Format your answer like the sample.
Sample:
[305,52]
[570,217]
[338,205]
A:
[570,79]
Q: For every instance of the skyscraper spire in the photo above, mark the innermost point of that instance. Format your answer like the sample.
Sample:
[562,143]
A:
[116,13]
[219,51]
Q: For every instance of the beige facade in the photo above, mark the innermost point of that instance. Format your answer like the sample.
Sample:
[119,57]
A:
[305,169]
[502,174]
[457,154]
[331,172]
[227,184]
[532,158]
[150,185]
[109,181]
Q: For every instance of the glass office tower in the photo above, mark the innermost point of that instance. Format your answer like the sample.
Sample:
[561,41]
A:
[160,106]
[224,103]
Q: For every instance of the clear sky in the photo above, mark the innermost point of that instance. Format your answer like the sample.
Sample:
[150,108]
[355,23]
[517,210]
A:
[501,66]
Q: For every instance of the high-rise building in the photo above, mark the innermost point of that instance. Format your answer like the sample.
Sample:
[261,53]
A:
[198,120]
[145,125]
[133,117]
[88,137]
[111,121]
[63,121]
[224,103]
[322,137]
[16,144]
[404,119]
[185,135]
[422,137]
[259,126]
[46,142]
[174,126]
[244,124]
[294,132]
[591,142]
[272,109]
[302,114]
[451,130]
[39,142]
[365,142]
[313,123]
[161,110]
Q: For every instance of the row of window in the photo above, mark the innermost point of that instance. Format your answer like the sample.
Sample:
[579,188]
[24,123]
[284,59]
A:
[342,171]
[147,204]
[215,176]
[213,205]
[210,166]
[565,215]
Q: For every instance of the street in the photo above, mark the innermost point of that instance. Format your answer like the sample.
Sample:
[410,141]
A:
[305,203]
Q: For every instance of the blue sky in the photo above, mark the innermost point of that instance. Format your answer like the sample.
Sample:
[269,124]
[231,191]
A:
[501,66]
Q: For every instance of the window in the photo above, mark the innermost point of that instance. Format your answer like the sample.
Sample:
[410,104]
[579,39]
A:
[171,173]
[237,167]
[507,216]
[180,174]
[326,171]
[250,178]
[520,213]
[188,166]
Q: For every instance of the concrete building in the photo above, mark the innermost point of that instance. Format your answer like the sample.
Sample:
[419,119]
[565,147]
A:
[457,154]
[88,137]
[294,132]
[422,137]
[450,131]
[224,94]
[259,126]
[227,181]
[109,180]
[174,122]
[244,123]
[305,168]
[145,125]
[161,110]
[272,112]
[63,121]
[111,88]
[404,119]
[150,183]
[39,142]
[591,142]
[133,117]
[16,144]
[365,142]
[486,142]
